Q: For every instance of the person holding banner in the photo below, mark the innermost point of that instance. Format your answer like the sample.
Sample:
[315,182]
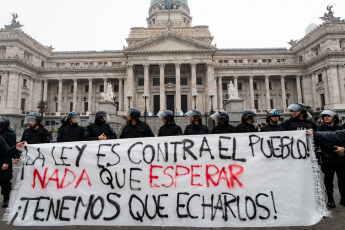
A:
[36,133]
[222,119]
[100,130]
[135,127]
[298,120]
[71,131]
[169,128]
[331,161]
[247,119]
[195,127]
[272,119]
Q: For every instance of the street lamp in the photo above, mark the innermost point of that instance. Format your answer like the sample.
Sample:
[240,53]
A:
[129,97]
[195,95]
[211,95]
[145,96]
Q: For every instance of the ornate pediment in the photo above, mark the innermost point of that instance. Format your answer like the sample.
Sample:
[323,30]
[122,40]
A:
[170,42]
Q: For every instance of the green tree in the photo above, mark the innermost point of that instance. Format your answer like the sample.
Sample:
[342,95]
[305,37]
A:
[42,107]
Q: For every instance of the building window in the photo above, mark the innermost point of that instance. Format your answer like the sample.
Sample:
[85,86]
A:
[22,105]
[319,77]
[141,82]
[240,61]
[235,61]
[56,107]
[300,58]
[269,60]
[116,88]
[86,106]
[256,104]
[255,86]
[226,61]
[199,80]
[225,86]
[42,64]
[286,85]
[156,81]
[47,123]
[86,88]
[25,83]
[184,81]
[255,61]
[271,104]
[270,86]
[170,80]
[278,60]
[77,64]
[220,61]
[263,60]
[72,88]
[323,101]
[71,106]
[113,64]
[184,103]
[2,51]
[0,79]
[283,60]
[239,86]
[22,123]
[100,64]
[101,88]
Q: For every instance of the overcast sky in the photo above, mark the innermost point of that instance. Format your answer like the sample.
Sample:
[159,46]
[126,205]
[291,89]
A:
[70,25]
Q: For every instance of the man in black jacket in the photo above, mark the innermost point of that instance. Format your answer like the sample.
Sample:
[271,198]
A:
[169,128]
[6,163]
[195,127]
[272,119]
[71,131]
[298,120]
[330,161]
[100,130]
[247,119]
[135,127]
[36,133]
[222,119]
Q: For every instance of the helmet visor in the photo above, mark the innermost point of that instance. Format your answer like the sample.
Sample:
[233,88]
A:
[30,120]
[329,113]
[75,118]
[190,113]
[215,116]
[161,114]
[106,117]
[295,107]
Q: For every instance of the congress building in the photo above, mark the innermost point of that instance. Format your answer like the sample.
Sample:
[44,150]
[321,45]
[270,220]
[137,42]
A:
[177,65]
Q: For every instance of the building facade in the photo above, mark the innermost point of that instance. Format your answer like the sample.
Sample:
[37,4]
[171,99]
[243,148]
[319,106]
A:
[170,60]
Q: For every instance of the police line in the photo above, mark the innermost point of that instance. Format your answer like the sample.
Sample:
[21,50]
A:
[230,180]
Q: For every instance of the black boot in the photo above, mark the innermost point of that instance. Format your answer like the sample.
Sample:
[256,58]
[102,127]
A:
[6,200]
[330,202]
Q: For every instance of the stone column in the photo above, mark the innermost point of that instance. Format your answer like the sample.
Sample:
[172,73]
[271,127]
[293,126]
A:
[193,76]
[31,102]
[178,87]
[268,94]
[147,85]
[5,82]
[45,90]
[220,92]
[90,97]
[313,88]
[162,88]
[212,86]
[282,86]
[120,94]
[105,83]
[324,74]
[130,85]
[334,86]
[75,89]
[341,83]
[251,90]
[19,97]
[236,81]
[60,97]
[299,91]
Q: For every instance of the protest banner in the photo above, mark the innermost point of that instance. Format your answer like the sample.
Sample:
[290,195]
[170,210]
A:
[229,180]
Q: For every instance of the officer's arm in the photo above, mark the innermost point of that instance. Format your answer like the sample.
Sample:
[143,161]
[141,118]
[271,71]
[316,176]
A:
[148,131]
[23,136]
[60,135]
[112,133]
[5,151]
[88,134]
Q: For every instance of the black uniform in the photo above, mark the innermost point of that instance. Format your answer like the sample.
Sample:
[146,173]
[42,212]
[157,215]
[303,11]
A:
[69,133]
[226,128]
[140,129]
[193,129]
[96,129]
[297,124]
[244,127]
[6,175]
[334,138]
[36,136]
[272,128]
[169,130]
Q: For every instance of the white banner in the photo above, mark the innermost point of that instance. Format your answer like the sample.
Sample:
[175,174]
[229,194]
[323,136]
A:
[230,180]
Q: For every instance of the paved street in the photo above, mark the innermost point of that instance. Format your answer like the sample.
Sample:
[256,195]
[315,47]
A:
[337,221]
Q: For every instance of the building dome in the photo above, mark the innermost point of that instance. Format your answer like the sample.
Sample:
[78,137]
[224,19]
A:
[154,2]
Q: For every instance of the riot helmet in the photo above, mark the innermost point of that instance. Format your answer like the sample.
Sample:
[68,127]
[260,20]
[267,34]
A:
[73,117]
[102,114]
[223,116]
[4,122]
[134,113]
[299,107]
[272,113]
[194,113]
[331,113]
[247,114]
[32,119]
[168,115]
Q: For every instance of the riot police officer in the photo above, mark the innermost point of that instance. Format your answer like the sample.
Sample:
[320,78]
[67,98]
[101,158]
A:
[195,127]
[135,127]
[71,131]
[6,163]
[169,128]
[298,119]
[247,119]
[222,119]
[272,119]
[329,160]
[100,130]
[36,133]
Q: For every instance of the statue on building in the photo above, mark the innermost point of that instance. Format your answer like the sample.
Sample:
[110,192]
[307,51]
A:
[329,16]
[232,92]
[109,95]
[14,22]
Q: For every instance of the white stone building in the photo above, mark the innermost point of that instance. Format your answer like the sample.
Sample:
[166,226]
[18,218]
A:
[171,59]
